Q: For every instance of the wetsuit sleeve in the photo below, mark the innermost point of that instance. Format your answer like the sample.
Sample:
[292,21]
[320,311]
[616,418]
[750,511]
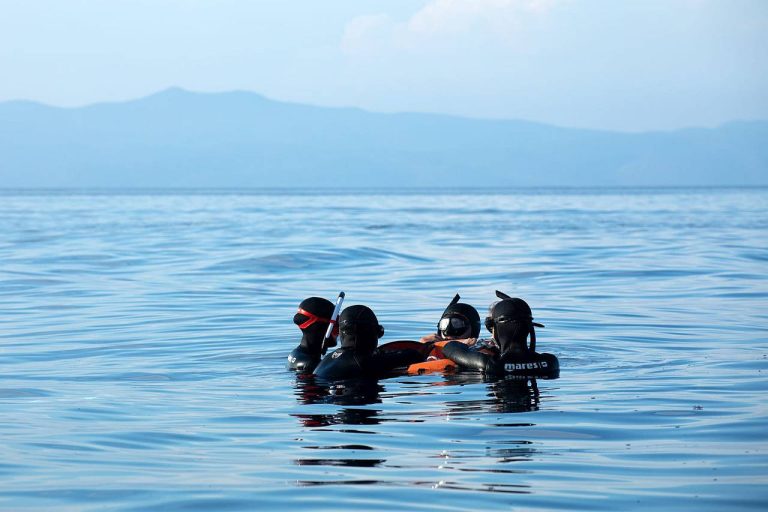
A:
[384,362]
[460,354]
[407,345]
[552,365]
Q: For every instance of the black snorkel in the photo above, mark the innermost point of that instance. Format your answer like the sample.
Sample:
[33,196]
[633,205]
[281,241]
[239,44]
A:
[328,341]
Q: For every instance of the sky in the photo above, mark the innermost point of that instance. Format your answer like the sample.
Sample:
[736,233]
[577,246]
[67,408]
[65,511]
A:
[629,65]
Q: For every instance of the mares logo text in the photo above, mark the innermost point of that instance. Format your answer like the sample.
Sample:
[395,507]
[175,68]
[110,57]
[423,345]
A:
[510,367]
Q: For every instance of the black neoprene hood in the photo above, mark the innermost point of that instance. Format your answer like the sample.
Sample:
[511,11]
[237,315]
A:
[359,328]
[468,312]
[511,309]
[317,306]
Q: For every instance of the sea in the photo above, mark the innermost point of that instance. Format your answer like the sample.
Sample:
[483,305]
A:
[144,336]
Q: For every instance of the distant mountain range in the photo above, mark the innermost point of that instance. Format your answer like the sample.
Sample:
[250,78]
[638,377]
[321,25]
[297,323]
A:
[177,138]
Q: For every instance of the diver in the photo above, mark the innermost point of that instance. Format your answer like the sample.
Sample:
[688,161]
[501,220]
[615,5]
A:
[459,322]
[358,356]
[510,321]
[313,317]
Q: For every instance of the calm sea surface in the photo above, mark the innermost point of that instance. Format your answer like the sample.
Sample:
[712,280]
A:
[143,339]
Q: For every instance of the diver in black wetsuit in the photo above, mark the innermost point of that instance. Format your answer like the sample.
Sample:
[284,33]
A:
[510,321]
[460,321]
[313,317]
[358,356]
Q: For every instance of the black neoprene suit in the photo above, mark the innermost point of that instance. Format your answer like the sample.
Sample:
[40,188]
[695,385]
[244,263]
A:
[348,363]
[302,360]
[529,363]
[305,357]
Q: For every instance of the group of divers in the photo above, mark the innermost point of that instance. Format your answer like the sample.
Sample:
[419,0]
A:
[456,345]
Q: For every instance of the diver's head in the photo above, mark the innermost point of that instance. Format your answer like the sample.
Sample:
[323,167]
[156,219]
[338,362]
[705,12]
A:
[359,329]
[459,321]
[511,321]
[312,318]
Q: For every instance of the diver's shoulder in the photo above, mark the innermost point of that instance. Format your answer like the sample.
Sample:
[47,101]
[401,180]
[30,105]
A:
[546,356]
[549,363]
[339,364]
[301,360]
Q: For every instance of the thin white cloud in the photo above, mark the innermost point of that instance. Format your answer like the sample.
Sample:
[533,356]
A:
[368,32]
[453,16]
[445,19]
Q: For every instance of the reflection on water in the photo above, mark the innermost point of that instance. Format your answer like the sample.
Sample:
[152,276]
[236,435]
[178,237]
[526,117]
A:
[506,394]
[346,416]
[349,392]
[359,463]
[503,395]
[515,395]
[352,392]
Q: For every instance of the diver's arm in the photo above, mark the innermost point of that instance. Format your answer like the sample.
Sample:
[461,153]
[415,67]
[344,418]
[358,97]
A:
[460,354]
[398,346]
[385,361]
[434,338]
[550,363]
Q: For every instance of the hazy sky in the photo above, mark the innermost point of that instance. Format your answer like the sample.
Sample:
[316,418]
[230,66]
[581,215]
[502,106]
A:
[616,64]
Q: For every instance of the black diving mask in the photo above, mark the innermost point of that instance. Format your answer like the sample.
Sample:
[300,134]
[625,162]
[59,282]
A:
[454,326]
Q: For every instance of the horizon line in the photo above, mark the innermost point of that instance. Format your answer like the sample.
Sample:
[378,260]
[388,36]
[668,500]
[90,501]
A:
[331,191]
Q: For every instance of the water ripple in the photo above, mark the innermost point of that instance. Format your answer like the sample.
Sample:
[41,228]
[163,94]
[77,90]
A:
[144,337]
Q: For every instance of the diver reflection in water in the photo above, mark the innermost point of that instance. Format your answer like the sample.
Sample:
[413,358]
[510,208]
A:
[509,393]
[350,392]
[346,416]
[515,394]
[309,390]
[356,463]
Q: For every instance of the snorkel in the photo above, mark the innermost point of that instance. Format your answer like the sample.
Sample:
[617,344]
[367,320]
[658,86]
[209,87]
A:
[328,341]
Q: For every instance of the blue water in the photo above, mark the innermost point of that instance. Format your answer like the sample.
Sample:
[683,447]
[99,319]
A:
[143,339]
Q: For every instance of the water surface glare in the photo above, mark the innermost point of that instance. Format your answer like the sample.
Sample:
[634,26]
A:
[143,342]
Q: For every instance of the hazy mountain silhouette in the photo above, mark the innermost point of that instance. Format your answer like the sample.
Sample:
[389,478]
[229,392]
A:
[178,138]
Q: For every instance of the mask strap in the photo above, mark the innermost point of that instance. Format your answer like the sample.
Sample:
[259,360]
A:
[312,318]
